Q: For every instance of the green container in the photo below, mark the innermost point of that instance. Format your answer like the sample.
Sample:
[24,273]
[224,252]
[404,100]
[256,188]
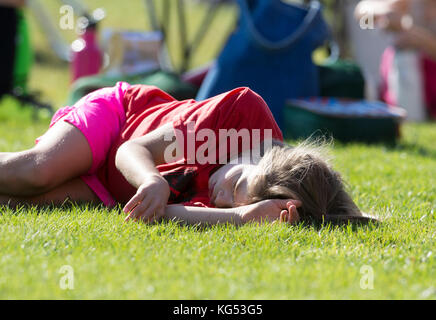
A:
[301,123]
[341,79]
[166,81]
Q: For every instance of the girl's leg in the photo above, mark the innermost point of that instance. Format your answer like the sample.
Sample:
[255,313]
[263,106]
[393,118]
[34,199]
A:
[74,190]
[63,154]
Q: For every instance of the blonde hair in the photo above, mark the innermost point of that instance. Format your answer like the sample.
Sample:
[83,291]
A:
[304,173]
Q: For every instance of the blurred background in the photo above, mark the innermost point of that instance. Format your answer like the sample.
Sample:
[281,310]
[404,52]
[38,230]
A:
[74,47]
[51,76]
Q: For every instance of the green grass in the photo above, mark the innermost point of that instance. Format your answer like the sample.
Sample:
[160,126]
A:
[114,260]
[167,261]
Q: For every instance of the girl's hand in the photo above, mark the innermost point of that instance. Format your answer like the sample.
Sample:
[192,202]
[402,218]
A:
[271,210]
[150,201]
[291,215]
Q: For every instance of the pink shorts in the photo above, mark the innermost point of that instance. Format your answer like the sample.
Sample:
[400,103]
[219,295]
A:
[100,116]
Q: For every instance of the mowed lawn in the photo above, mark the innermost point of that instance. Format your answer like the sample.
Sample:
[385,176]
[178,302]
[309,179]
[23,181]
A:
[109,259]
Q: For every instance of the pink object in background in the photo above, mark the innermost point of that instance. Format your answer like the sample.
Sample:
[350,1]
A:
[87,57]
[403,82]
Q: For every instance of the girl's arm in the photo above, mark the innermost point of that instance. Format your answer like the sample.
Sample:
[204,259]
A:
[264,211]
[137,160]
[199,215]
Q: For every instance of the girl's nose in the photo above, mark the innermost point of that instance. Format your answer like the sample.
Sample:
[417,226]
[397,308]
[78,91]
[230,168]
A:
[223,200]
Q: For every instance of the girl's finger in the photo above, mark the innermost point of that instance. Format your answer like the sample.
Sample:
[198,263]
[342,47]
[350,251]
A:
[137,198]
[296,203]
[285,203]
[148,215]
[138,210]
[283,214]
[294,217]
[158,213]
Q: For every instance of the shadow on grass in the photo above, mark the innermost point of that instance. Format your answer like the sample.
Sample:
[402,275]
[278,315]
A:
[414,148]
[327,222]
[341,222]
[398,146]
[53,209]
[315,224]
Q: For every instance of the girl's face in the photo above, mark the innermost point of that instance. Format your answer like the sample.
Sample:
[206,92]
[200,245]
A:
[228,185]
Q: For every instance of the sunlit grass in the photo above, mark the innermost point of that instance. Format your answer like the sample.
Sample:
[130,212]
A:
[114,260]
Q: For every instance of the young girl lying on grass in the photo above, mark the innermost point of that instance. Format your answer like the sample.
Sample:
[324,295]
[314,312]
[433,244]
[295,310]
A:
[168,159]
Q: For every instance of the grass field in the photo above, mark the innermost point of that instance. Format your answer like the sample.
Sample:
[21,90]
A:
[113,260]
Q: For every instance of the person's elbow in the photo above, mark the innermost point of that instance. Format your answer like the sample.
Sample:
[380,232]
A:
[122,154]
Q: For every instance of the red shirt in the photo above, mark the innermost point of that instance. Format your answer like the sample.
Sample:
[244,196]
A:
[147,108]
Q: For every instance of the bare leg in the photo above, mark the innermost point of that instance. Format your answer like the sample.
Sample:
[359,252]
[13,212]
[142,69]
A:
[74,190]
[62,155]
